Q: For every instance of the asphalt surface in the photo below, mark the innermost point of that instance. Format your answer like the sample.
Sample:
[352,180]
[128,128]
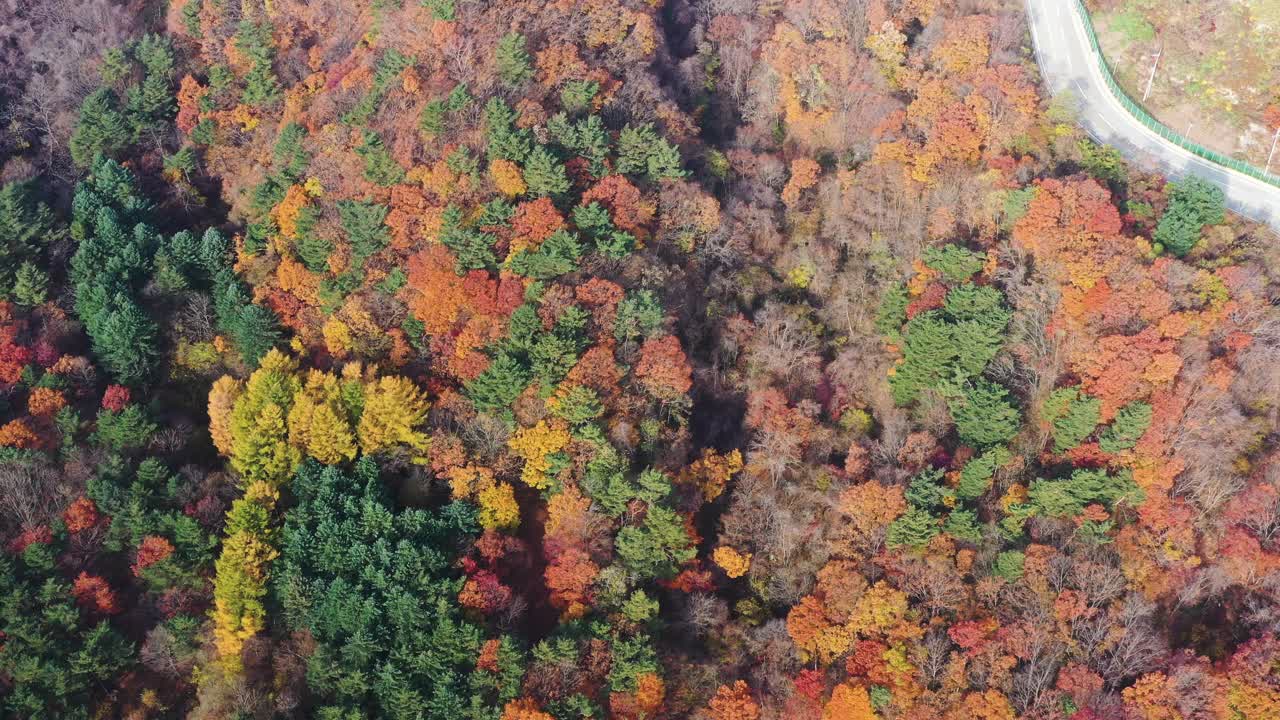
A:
[1068,63]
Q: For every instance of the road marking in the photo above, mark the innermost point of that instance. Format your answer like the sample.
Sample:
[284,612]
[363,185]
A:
[1253,194]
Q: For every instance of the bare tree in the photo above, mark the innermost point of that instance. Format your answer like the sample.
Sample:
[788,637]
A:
[1134,644]
[30,495]
[705,613]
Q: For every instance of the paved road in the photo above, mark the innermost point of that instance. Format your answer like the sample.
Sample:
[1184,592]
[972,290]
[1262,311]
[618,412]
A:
[1068,62]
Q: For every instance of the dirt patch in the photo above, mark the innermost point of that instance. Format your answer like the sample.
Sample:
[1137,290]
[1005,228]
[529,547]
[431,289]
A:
[1218,71]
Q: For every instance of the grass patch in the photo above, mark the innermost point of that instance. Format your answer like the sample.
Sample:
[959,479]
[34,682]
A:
[1133,26]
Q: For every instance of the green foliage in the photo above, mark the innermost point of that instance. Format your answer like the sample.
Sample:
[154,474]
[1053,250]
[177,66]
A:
[56,660]
[927,490]
[513,62]
[983,414]
[394,280]
[127,429]
[576,95]
[1074,416]
[631,658]
[462,162]
[499,385]
[261,88]
[379,167]
[505,140]
[182,162]
[265,196]
[639,315]
[616,244]
[1193,204]
[578,406]
[956,264]
[551,358]
[1127,428]
[1102,161]
[881,697]
[313,250]
[432,119]
[948,349]
[473,248]
[376,588]
[938,351]
[642,151]
[1068,497]
[1133,26]
[254,330]
[440,9]
[389,66]
[544,174]
[150,105]
[975,476]
[657,547]
[593,220]
[364,223]
[149,501]
[640,608]
[26,226]
[556,256]
[459,98]
[191,18]
[116,65]
[1009,565]
[290,156]
[1016,203]
[914,529]
[1092,532]
[892,313]
[963,525]
[111,267]
[587,137]
[102,128]
[981,305]
[126,339]
[495,214]
[608,482]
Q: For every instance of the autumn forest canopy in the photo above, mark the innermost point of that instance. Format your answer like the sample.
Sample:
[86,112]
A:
[615,359]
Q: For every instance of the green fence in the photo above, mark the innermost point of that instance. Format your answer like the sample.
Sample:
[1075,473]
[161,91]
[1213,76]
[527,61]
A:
[1159,128]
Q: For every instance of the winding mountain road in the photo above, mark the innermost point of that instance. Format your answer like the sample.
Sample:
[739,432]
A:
[1068,63]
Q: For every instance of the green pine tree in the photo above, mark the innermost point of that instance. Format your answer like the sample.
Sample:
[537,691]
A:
[101,129]
[31,285]
[514,64]
[983,414]
[1130,423]
[365,225]
[544,174]
[1193,204]
[1074,416]
[915,529]
[498,386]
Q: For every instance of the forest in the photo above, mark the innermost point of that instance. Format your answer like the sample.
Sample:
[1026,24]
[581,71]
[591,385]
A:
[615,359]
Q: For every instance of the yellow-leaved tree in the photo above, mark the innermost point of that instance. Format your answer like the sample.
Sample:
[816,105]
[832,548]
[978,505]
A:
[536,445]
[393,409]
[266,426]
[260,449]
[320,421]
[240,583]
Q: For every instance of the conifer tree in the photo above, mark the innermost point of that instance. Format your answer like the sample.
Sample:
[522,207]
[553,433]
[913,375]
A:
[394,408]
[544,174]
[514,64]
[101,129]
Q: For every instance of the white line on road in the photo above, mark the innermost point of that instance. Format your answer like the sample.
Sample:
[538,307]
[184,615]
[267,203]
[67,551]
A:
[1245,194]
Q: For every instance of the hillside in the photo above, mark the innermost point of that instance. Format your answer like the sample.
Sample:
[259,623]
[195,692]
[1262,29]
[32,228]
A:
[548,360]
